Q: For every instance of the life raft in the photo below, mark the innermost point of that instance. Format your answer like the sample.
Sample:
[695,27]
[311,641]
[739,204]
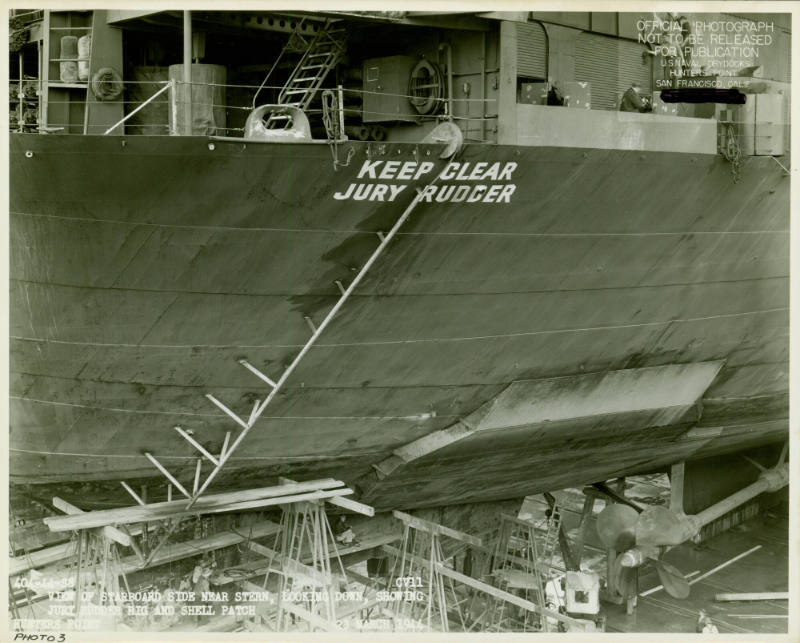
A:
[106,84]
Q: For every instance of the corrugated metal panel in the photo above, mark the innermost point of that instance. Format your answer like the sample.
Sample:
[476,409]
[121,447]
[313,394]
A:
[531,50]
[610,65]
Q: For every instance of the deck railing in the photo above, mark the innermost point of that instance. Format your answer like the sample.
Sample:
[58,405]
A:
[160,112]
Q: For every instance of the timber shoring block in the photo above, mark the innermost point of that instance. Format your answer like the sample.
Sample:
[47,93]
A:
[230,501]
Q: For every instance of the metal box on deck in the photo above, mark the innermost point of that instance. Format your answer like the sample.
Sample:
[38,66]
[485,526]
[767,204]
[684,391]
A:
[386,89]
[577,95]
[533,93]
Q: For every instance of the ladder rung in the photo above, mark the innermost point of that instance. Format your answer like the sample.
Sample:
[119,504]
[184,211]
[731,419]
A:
[279,117]
[305,78]
[320,55]
[304,67]
[296,91]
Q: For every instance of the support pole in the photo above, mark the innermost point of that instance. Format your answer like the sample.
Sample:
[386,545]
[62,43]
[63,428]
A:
[676,487]
[187,72]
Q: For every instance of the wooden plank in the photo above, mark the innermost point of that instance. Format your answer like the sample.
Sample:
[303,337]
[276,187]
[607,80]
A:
[316,621]
[292,568]
[344,503]
[753,596]
[41,558]
[488,589]
[352,505]
[305,574]
[109,532]
[197,546]
[368,543]
[242,572]
[434,528]
[519,579]
[281,500]
[510,598]
[207,504]
[188,549]
[725,564]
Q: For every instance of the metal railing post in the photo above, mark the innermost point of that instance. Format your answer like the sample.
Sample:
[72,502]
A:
[187,72]
[173,106]
[341,113]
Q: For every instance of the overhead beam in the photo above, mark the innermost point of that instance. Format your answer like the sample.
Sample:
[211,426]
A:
[230,501]
[116,16]
[434,528]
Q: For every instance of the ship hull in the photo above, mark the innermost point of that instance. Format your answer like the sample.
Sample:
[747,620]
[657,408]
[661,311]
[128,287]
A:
[143,269]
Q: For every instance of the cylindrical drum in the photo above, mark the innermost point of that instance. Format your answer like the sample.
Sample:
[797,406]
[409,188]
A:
[69,68]
[207,98]
[84,56]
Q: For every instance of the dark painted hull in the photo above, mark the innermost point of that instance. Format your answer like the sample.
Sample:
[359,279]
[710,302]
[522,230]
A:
[143,268]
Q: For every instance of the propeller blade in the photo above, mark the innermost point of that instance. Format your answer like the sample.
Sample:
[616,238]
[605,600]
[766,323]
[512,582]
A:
[671,578]
[624,578]
[658,525]
[615,526]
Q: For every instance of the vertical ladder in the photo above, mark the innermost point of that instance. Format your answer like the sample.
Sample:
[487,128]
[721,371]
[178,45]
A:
[551,537]
[322,54]
[518,567]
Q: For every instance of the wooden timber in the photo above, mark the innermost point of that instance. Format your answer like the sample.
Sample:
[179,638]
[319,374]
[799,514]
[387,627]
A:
[315,620]
[434,528]
[753,596]
[344,503]
[509,598]
[244,571]
[41,558]
[488,589]
[231,501]
[109,532]
[189,548]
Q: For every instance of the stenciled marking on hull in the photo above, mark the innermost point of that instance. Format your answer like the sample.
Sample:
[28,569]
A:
[463,191]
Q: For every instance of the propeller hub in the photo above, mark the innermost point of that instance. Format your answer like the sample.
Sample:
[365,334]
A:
[632,558]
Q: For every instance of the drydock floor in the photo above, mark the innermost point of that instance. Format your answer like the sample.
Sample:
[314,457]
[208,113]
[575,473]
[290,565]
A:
[764,570]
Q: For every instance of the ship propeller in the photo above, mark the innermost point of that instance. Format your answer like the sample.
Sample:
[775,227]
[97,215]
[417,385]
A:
[639,536]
